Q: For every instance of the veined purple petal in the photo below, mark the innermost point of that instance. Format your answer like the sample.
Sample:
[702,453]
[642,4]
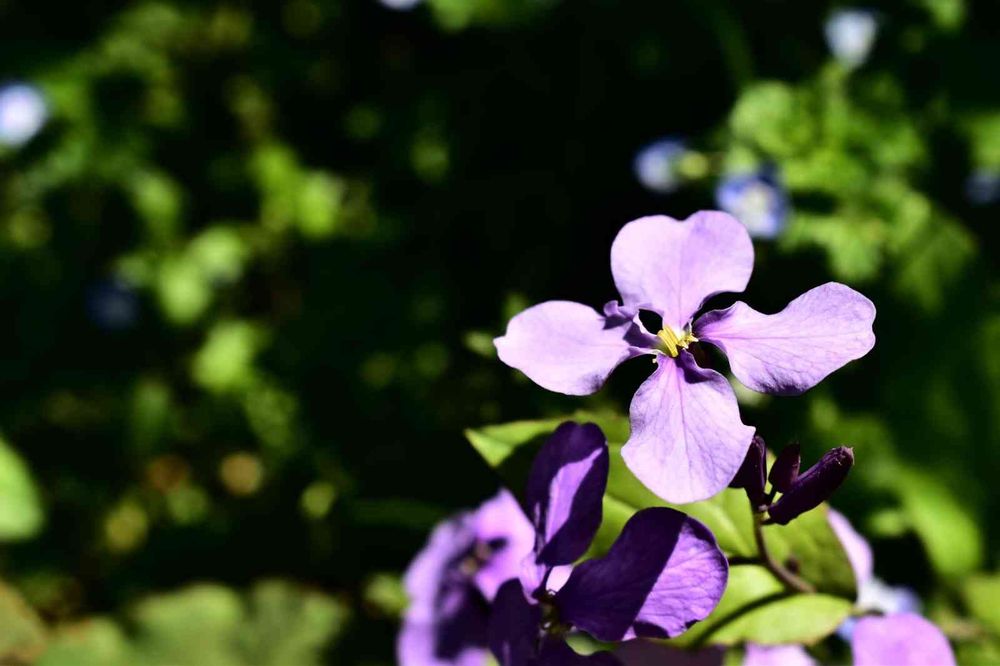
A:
[859,553]
[904,639]
[777,655]
[792,351]
[565,489]
[663,573]
[514,629]
[687,439]
[505,538]
[672,267]
[568,347]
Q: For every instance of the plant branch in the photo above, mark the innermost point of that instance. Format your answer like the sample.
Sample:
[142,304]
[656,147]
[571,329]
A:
[789,579]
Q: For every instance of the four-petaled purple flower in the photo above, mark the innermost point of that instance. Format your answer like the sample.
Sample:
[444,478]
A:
[663,573]
[452,581]
[687,440]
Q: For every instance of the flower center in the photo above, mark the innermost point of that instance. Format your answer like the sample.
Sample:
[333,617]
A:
[672,343]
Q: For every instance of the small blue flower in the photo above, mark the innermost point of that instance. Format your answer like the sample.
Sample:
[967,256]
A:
[112,305]
[655,165]
[757,200]
[850,34]
[982,187]
[23,112]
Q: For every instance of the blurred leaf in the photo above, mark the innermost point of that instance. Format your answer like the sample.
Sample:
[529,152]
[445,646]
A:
[21,515]
[280,624]
[225,361]
[981,593]
[22,635]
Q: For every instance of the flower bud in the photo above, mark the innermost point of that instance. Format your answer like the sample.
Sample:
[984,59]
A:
[814,486]
[785,469]
[750,476]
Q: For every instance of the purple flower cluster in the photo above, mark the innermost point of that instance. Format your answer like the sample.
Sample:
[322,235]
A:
[663,573]
[687,439]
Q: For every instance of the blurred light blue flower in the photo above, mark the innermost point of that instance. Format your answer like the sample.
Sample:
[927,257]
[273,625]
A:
[23,112]
[756,199]
[656,164]
[982,187]
[401,5]
[850,34]
[112,305]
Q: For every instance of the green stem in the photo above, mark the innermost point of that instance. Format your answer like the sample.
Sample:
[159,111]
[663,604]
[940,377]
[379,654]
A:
[790,580]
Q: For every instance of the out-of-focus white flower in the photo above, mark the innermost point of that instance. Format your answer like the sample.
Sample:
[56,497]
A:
[23,112]
[401,5]
[982,187]
[757,200]
[656,165]
[850,34]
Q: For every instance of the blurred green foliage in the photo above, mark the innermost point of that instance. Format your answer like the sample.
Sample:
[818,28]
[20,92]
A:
[254,260]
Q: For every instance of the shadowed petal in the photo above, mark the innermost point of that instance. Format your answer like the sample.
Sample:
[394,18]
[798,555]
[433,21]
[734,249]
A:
[901,640]
[418,646]
[648,653]
[568,347]
[662,574]
[673,266]
[564,494]
[514,627]
[505,536]
[792,351]
[555,652]
[687,439]
[777,655]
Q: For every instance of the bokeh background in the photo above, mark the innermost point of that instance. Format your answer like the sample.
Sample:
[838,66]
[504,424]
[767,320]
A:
[252,257]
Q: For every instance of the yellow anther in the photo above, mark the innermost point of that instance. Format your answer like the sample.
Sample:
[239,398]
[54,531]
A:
[673,344]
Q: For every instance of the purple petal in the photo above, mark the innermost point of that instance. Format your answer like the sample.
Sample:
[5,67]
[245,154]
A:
[792,351]
[504,532]
[568,347]
[777,655]
[662,574]
[565,489]
[417,646]
[901,640]
[673,266]
[514,627]
[859,553]
[687,439]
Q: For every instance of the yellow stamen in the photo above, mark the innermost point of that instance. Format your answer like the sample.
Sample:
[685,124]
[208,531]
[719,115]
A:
[672,344]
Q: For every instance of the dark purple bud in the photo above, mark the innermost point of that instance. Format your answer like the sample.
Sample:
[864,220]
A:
[814,486]
[750,476]
[785,469]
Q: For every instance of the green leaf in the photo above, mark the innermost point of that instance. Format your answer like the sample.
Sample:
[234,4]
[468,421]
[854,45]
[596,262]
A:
[21,514]
[756,608]
[981,593]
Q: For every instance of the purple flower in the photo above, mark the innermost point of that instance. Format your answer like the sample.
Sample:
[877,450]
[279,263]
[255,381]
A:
[903,639]
[757,200]
[452,580]
[687,440]
[663,573]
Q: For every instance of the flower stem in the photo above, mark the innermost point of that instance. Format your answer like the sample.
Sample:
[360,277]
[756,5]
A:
[790,580]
